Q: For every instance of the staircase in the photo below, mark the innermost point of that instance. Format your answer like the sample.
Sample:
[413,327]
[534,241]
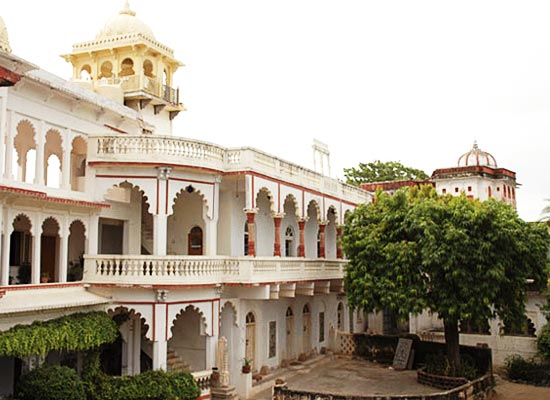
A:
[174,363]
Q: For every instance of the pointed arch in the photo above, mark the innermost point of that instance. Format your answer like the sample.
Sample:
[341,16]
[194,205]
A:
[191,309]
[229,304]
[264,190]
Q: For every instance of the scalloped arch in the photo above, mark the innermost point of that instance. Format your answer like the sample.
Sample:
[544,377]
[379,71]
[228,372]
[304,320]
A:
[335,211]
[55,220]
[293,200]
[317,208]
[113,309]
[79,138]
[269,195]
[230,304]
[25,215]
[183,191]
[139,189]
[190,307]
[84,225]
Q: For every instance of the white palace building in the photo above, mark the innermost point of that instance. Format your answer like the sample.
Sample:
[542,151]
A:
[103,208]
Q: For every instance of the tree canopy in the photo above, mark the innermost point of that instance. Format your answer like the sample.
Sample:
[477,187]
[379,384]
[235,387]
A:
[460,258]
[378,171]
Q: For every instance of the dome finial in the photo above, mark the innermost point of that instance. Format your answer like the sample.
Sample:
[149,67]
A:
[4,41]
[475,144]
[127,10]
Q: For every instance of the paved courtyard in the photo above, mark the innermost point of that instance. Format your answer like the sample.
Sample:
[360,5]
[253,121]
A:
[356,377]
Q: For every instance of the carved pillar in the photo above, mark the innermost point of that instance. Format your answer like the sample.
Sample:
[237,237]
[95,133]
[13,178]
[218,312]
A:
[66,162]
[302,245]
[63,250]
[322,227]
[39,168]
[250,215]
[5,263]
[36,242]
[277,218]
[8,161]
[223,362]
[339,252]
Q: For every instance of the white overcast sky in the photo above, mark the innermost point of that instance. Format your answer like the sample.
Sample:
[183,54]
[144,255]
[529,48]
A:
[410,81]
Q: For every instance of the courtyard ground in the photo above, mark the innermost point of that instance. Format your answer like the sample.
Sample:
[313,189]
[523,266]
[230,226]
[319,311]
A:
[339,375]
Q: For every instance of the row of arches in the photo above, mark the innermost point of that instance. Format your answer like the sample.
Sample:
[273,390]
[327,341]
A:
[44,252]
[46,158]
[125,68]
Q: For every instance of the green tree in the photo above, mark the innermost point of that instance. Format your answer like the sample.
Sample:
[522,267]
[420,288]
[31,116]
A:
[379,171]
[462,259]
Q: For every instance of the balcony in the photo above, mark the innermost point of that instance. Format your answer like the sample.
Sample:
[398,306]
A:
[143,83]
[195,153]
[199,270]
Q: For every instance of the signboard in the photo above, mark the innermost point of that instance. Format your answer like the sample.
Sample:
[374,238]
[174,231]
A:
[402,353]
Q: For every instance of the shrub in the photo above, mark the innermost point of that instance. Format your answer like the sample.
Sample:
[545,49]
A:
[543,342]
[520,369]
[50,382]
[437,364]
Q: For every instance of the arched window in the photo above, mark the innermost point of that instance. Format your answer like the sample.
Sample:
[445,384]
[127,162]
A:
[148,69]
[106,70]
[86,73]
[195,242]
[289,312]
[127,67]
[289,241]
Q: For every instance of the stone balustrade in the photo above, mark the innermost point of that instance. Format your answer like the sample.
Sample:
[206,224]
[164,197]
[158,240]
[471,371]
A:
[195,270]
[190,152]
[204,381]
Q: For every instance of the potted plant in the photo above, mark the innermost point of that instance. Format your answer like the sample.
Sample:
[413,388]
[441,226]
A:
[246,366]
[44,277]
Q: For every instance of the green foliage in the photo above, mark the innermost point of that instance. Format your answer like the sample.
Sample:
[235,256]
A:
[77,332]
[519,369]
[379,171]
[461,258]
[50,382]
[543,342]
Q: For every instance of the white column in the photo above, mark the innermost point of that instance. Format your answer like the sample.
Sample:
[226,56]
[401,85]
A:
[35,263]
[5,261]
[135,368]
[3,124]
[63,255]
[211,236]
[39,169]
[160,226]
[9,149]
[92,234]
[211,351]
[66,162]
[160,345]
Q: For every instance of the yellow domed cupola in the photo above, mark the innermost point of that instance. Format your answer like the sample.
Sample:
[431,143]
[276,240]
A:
[4,41]
[125,62]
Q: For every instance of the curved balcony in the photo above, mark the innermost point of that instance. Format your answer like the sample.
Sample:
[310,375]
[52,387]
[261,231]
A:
[199,270]
[195,153]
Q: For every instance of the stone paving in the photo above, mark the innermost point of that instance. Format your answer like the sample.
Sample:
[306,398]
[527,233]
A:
[340,375]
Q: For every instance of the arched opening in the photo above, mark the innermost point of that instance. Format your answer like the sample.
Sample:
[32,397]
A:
[49,250]
[20,251]
[330,235]
[86,73]
[187,346]
[245,238]
[340,316]
[187,214]
[250,342]
[127,67]
[290,248]
[289,316]
[53,154]
[194,241]
[106,70]
[312,231]
[306,323]
[75,254]
[79,149]
[265,227]
[53,171]
[25,150]
[148,69]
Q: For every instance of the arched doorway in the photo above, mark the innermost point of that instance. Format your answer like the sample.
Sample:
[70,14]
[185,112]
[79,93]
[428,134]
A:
[250,343]
[289,334]
[187,346]
[49,253]
[187,214]
[306,318]
[194,242]
[340,317]
[20,250]
[77,243]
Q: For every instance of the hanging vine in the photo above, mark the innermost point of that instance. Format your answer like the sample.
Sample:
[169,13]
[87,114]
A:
[77,332]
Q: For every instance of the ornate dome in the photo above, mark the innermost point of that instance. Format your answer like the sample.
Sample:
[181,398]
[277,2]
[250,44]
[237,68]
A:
[4,41]
[125,22]
[477,157]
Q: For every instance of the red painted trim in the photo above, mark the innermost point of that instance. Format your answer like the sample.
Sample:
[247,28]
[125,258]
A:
[166,198]
[253,191]
[156,164]
[158,195]
[114,129]
[52,285]
[9,75]
[192,181]
[154,320]
[126,176]
[279,197]
[303,204]
[44,196]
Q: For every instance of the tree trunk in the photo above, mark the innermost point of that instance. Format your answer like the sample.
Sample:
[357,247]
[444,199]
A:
[452,344]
